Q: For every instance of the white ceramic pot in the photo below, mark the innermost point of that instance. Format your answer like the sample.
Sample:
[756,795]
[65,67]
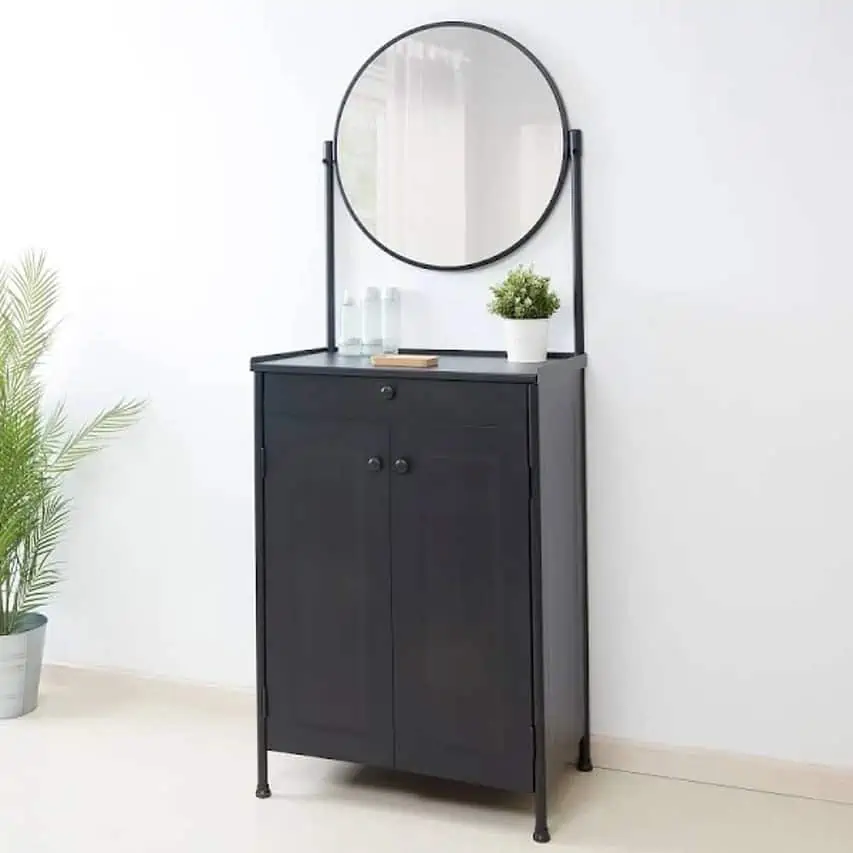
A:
[526,340]
[20,666]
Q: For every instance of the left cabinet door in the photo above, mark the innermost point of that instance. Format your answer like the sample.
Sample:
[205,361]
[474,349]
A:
[328,588]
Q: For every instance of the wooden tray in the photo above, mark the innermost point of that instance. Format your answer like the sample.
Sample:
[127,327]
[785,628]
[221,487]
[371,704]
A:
[403,360]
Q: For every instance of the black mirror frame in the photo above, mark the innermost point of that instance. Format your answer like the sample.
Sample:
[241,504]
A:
[564,165]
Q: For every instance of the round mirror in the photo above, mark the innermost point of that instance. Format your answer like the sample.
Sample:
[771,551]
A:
[451,146]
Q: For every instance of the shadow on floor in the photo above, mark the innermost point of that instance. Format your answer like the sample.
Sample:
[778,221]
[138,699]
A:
[437,790]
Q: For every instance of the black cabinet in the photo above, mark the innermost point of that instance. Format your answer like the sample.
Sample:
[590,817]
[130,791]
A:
[420,567]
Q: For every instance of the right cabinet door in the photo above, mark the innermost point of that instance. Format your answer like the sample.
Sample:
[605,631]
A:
[460,546]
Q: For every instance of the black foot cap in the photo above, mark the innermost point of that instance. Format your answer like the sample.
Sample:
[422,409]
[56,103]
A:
[262,792]
[584,757]
[542,836]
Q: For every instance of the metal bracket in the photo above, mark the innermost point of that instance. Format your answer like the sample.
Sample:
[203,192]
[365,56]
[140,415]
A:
[575,143]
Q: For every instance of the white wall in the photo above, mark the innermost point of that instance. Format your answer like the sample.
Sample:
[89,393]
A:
[166,152]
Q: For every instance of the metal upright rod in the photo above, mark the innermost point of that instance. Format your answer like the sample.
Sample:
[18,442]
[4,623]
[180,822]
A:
[329,165]
[576,141]
[263,789]
[576,145]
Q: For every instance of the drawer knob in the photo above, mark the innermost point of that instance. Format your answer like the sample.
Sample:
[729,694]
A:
[401,466]
[374,464]
[387,392]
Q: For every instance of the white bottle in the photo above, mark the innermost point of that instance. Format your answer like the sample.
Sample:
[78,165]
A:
[349,341]
[371,322]
[391,319]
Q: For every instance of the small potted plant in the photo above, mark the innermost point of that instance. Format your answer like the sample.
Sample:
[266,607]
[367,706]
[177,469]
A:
[525,301]
[36,451]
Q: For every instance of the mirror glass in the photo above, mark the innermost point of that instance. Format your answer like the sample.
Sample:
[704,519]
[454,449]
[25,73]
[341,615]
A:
[451,146]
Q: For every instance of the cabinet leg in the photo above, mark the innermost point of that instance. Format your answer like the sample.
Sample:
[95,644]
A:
[541,833]
[584,756]
[262,792]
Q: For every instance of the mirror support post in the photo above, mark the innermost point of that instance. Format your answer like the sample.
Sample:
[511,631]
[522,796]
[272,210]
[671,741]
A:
[576,149]
[329,168]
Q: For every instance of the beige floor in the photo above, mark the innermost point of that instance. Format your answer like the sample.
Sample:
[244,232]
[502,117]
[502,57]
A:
[110,763]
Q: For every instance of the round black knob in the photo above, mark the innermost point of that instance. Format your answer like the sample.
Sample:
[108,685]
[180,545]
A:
[387,392]
[374,464]
[401,466]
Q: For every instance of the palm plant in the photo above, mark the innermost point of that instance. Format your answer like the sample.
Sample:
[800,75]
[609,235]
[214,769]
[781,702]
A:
[36,446]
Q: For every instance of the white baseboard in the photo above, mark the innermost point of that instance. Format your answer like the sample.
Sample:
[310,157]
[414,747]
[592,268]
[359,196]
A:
[58,668]
[813,781]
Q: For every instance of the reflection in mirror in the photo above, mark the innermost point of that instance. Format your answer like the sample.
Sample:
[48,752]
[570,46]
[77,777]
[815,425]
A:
[451,146]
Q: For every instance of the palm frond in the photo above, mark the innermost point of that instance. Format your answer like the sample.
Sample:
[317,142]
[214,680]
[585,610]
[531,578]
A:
[8,330]
[36,448]
[94,435]
[38,574]
[34,292]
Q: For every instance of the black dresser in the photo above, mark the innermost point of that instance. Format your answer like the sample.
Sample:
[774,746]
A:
[420,566]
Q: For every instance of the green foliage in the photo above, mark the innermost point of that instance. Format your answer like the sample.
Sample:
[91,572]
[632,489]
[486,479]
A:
[523,295]
[36,447]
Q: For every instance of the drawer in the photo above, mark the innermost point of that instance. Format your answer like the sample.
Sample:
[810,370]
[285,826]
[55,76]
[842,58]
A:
[383,397]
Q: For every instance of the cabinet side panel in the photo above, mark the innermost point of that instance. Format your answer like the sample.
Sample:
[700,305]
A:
[560,483]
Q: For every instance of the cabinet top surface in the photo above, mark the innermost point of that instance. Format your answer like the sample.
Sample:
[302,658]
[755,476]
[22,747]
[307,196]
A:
[489,367]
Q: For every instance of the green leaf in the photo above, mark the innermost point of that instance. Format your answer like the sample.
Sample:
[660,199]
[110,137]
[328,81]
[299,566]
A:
[524,295]
[36,447]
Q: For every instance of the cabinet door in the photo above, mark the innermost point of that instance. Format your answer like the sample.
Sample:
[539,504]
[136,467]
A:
[328,592]
[461,604]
